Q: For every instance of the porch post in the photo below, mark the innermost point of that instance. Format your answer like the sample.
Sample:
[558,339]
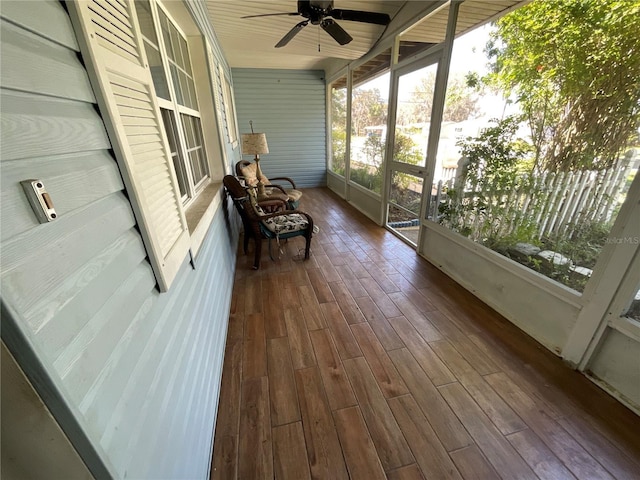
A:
[437,111]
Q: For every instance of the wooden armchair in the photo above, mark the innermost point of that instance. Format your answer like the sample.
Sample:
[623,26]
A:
[282,224]
[247,170]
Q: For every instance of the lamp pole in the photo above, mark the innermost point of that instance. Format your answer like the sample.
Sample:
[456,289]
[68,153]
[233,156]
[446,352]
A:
[261,191]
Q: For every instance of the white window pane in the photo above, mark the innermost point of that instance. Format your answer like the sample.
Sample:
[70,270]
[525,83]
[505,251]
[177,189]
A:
[157,72]
[184,90]
[176,84]
[193,137]
[187,125]
[186,61]
[143,9]
[196,165]
[192,93]
[175,46]
[178,163]
[164,27]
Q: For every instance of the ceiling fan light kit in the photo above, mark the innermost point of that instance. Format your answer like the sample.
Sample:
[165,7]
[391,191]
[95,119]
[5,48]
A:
[323,14]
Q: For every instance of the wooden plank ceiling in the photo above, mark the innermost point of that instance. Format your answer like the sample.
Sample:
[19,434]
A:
[249,43]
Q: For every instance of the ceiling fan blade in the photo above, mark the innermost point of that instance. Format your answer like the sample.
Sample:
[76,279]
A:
[336,31]
[359,16]
[292,33]
[270,15]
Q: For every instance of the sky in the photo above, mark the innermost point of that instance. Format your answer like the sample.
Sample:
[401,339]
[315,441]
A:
[468,51]
[468,56]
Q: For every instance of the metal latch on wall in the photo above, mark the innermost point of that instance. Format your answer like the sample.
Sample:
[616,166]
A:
[40,200]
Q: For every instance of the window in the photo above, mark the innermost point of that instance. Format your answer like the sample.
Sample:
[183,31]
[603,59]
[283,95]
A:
[338,112]
[369,98]
[170,65]
[148,85]
[176,153]
[152,49]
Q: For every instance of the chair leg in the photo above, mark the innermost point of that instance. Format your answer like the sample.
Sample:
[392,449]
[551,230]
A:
[270,252]
[307,249]
[256,259]
[246,241]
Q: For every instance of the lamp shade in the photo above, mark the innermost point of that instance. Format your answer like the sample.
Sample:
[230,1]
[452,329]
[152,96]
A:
[254,144]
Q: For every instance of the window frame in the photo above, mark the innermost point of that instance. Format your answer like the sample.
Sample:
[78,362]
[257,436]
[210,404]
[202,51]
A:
[344,74]
[352,88]
[177,109]
[115,57]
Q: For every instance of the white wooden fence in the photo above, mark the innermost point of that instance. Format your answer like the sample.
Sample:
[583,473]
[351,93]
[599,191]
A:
[556,203]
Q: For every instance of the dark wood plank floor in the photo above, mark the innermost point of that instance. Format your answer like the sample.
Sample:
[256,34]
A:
[366,362]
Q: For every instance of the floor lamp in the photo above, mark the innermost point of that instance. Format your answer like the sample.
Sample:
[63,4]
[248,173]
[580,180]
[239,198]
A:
[255,144]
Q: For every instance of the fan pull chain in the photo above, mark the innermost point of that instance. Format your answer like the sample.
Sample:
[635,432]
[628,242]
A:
[318,39]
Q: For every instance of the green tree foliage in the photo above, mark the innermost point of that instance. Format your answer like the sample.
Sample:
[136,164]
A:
[574,68]
[368,108]
[373,149]
[338,129]
[339,105]
[479,206]
[495,158]
[370,174]
[421,100]
[338,151]
[461,101]
[405,150]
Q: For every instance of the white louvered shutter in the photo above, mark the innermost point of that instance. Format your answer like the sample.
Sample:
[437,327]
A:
[217,94]
[112,45]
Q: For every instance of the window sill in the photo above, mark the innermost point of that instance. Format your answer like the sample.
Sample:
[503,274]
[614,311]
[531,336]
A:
[201,212]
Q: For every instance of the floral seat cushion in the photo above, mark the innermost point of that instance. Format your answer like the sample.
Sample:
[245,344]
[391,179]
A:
[293,222]
[286,223]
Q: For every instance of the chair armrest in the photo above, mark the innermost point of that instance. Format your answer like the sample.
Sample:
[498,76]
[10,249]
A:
[286,179]
[277,187]
[273,206]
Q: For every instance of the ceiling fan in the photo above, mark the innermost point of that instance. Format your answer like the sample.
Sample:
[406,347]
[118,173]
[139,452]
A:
[322,13]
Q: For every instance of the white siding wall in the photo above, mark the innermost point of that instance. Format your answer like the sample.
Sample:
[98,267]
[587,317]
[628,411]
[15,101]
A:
[131,375]
[289,106]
